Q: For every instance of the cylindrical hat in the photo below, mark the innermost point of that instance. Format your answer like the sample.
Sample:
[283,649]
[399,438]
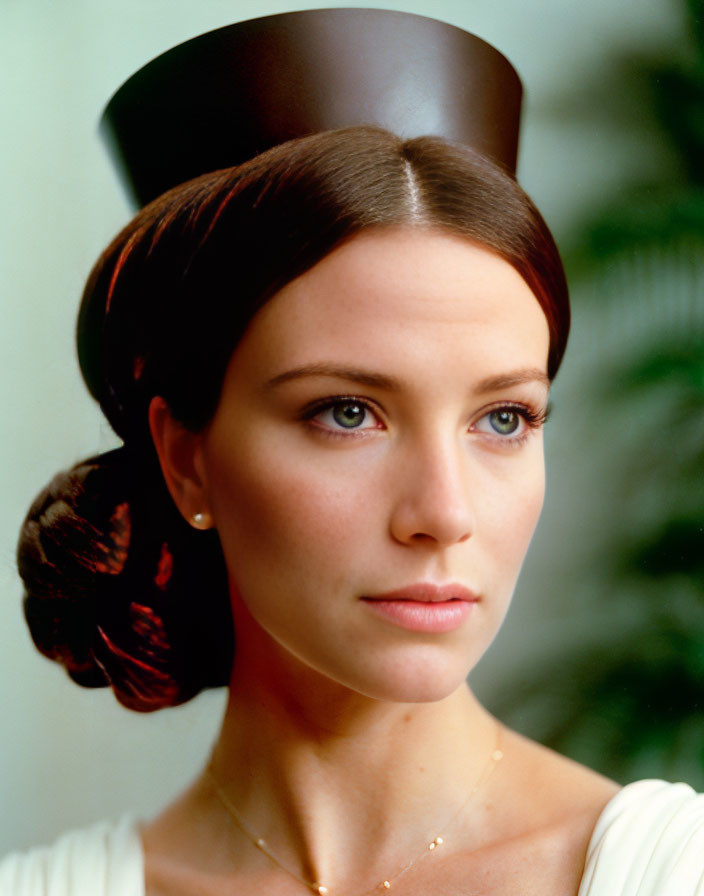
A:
[222,98]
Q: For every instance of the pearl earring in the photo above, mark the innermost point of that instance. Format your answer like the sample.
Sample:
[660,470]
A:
[198,519]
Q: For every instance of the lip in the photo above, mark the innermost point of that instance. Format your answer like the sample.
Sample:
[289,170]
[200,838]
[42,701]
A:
[424,607]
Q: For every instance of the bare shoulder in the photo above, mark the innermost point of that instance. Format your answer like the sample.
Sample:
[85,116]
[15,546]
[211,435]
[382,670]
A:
[557,787]
[552,792]
[545,807]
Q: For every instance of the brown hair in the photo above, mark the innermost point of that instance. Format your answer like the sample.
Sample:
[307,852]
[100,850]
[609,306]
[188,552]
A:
[162,313]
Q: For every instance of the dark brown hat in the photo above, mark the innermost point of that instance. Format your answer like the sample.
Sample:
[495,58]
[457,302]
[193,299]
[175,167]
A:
[227,95]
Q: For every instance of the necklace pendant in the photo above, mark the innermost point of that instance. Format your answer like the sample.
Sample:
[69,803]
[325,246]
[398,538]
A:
[319,889]
[386,885]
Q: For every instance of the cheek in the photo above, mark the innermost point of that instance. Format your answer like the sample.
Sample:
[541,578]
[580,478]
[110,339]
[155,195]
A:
[295,520]
[279,516]
[513,513]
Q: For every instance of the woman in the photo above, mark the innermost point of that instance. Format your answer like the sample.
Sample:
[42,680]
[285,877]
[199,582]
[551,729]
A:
[330,369]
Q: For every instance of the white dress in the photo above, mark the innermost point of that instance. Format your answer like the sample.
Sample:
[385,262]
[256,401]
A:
[648,841]
[103,860]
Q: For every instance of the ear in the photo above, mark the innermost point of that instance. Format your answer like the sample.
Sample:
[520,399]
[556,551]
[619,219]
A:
[179,452]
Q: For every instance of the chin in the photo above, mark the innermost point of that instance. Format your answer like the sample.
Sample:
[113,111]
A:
[411,680]
[428,691]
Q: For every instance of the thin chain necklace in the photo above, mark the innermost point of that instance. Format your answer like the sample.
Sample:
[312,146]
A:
[495,757]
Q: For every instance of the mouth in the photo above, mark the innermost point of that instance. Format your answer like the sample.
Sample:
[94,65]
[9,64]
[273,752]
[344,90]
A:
[424,607]
[426,592]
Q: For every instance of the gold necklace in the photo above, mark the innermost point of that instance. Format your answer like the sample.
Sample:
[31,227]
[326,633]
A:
[261,844]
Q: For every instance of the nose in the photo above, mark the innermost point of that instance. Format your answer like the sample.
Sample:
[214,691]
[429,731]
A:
[433,504]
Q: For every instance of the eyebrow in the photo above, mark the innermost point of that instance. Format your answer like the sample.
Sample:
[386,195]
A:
[513,378]
[391,384]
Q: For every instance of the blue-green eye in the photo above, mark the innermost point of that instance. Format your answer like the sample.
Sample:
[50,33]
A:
[505,421]
[349,414]
[510,423]
[339,414]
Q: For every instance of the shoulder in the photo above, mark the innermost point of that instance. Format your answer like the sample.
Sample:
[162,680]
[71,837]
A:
[102,860]
[649,840]
[543,810]
[553,791]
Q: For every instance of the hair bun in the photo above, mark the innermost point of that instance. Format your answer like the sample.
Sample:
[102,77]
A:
[104,595]
[73,543]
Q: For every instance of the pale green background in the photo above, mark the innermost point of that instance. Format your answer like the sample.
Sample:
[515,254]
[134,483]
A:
[68,756]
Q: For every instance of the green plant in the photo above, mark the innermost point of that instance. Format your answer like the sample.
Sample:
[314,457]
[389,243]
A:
[630,702]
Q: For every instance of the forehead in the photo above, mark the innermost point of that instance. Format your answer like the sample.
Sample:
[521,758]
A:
[402,295]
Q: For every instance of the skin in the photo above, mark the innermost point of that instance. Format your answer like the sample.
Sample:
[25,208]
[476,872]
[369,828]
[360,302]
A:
[431,339]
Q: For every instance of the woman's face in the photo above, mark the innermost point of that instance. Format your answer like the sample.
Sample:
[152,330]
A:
[379,428]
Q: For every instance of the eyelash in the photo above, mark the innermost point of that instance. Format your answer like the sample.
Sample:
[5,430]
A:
[328,404]
[532,419]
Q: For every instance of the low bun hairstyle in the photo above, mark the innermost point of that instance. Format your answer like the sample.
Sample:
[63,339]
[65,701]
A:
[119,588]
[118,591]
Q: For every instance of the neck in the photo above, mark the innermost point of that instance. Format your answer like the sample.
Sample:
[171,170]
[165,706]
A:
[336,782]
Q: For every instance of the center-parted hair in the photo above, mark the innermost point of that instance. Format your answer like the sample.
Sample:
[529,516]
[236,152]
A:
[119,588]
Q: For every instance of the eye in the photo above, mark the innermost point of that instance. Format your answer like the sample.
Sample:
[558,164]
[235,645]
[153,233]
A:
[350,415]
[510,423]
[505,421]
[338,415]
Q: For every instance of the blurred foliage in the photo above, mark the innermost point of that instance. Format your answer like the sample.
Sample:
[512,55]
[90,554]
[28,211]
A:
[631,703]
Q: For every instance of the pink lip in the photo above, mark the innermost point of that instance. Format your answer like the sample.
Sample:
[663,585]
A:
[425,607]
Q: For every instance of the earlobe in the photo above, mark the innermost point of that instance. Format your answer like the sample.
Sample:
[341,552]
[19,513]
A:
[178,450]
